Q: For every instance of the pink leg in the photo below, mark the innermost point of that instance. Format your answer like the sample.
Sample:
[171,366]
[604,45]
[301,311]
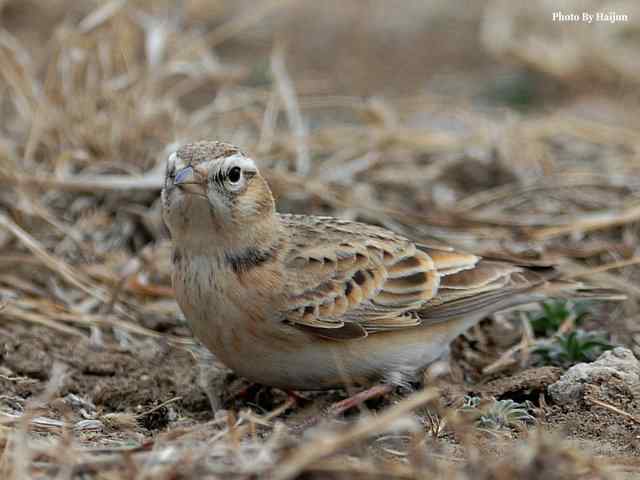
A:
[344,405]
[358,399]
[296,397]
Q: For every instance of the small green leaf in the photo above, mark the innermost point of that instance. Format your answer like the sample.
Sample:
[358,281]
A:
[570,348]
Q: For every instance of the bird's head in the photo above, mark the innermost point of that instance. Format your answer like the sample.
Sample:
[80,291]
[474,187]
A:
[214,191]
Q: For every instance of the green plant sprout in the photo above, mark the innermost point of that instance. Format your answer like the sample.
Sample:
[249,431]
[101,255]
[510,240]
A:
[570,348]
[554,313]
[500,414]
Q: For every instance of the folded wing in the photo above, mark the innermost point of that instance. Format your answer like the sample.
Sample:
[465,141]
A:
[346,280]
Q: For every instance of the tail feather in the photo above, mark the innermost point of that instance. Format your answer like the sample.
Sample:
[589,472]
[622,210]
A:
[578,291]
[518,287]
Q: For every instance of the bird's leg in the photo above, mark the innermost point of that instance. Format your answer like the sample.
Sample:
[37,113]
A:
[358,399]
[342,406]
[296,397]
[212,377]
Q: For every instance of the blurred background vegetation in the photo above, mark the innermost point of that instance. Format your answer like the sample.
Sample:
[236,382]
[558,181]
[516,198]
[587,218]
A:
[485,124]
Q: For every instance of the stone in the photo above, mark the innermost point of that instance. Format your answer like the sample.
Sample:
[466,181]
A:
[618,363]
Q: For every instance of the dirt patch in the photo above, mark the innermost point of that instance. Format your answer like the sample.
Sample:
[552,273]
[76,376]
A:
[112,378]
[609,431]
[526,385]
[116,380]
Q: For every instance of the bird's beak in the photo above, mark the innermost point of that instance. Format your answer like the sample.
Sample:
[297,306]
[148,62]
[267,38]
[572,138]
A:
[189,181]
[184,176]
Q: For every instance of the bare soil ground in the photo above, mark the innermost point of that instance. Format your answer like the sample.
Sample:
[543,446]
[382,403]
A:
[454,135]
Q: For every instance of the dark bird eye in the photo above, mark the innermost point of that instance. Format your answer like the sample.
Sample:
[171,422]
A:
[234,175]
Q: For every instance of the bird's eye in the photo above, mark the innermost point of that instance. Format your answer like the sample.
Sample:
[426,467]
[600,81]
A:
[235,174]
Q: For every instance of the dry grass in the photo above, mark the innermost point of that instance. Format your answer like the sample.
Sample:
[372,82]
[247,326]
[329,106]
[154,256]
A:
[93,95]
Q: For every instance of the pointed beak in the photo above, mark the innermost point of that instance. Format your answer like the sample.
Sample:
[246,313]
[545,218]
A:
[184,176]
[189,181]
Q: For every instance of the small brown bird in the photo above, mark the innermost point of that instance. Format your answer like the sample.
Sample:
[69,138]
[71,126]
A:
[303,302]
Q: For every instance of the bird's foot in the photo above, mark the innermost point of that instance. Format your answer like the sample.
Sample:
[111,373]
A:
[358,399]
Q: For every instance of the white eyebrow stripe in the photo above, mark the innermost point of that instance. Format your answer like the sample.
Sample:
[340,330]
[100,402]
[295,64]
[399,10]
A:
[240,161]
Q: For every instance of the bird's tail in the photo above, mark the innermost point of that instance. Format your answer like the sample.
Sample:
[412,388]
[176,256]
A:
[570,290]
